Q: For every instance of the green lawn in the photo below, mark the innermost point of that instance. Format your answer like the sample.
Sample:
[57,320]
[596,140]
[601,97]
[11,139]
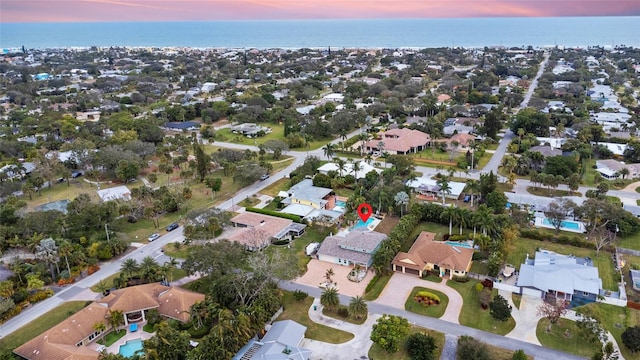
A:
[544,191]
[298,311]
[434,311]
[565,336]
[616,319]
[108,282]
[630,242]
[473,315]
[176,250]
[516,299]
[41,324]
[350,318]
[298,246]
[273,189]
[521,247]
[376,352]
[377,287]
[112,337]
[249,202]
[226,135]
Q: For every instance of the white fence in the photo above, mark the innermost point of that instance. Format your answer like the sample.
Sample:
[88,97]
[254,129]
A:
[613,301]
[506,287]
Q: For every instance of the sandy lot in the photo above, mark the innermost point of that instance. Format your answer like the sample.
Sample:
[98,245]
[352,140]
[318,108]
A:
[315,275]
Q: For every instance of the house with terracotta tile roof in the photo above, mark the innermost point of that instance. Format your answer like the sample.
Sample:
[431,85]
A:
[400,141]
[69,339]
[426,255]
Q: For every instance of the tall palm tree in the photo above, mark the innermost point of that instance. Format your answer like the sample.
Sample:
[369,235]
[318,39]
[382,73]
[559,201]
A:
[449,213]
[329,150]
[343,137]
[356,168]
[484,218]
[329,299]
[464,218]
[358,307]
[116,319]
[445,188]
[129,267]
[65,249]
[473,186]
[341,165]
[149,269]
[402,199]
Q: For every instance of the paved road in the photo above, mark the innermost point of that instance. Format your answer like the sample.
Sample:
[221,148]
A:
[107,269]
[538,352]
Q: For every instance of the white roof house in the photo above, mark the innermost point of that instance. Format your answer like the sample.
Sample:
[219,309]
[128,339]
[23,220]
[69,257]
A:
[115,193]
[563,275]
[424,184]
[363,169]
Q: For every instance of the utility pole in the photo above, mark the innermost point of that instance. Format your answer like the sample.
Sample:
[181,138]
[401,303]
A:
[106,230]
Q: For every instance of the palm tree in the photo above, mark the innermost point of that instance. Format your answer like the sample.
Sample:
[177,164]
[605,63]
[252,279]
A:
[402,199]
[624,172]
[341,165]
[464,217]
[329,150]
[443,184]
[473,186]
[358,307]
[65,249]
[329,298]
[116,318]
[99,327]
[149,269]
[343,137]
[328,275]
[356,168]
[484,218]
[129,267]
[449,213]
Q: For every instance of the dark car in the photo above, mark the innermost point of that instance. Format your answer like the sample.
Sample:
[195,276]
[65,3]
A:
[172,226]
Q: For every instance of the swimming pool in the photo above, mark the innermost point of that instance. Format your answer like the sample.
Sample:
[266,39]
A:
[342,204]
[131,347]
[455,243]
[362,225]
[564,224]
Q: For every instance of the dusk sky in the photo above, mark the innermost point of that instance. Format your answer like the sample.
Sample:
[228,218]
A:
[189,10]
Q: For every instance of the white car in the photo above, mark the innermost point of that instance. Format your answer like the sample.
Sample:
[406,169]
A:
[153,236]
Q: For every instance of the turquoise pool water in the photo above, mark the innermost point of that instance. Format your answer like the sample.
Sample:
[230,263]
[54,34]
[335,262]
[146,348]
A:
[455,243]
[360,225]
[130,347]
[564,224]
[341,203]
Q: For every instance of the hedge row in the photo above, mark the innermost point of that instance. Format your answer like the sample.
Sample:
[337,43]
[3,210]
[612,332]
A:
[573,240]
[391,246]
[295,218]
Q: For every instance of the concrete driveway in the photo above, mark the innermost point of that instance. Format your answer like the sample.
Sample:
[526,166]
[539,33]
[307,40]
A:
[400,286]
[356,348]
[317,269]
[526,317]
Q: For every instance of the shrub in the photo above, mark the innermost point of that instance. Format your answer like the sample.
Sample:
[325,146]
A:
[40,295]
[421,346]
[631,338]
[500,308]
[479,287]
[294,218]
[343,312]
[472,349]
[92,269]
[372,283]
[427,298]
[300,295]
[519,355]
[461,279]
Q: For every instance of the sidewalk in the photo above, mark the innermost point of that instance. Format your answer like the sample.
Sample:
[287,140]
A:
[356,348]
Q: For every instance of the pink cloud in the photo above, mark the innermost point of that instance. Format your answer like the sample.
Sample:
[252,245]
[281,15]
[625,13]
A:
[186,10]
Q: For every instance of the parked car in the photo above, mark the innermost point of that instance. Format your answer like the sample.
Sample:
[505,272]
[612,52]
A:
[172,226]
[153,236]
[76,174]
[264,177]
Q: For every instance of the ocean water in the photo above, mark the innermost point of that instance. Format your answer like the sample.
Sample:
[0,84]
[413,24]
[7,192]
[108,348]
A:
[379,33]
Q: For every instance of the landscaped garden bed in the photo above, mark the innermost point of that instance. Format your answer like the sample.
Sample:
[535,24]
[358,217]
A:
[427,302]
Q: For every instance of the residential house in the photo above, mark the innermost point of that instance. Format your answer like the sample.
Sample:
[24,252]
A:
[615,148]
[259,230]
[88,116]
[281,342]
[363,169]
[611,169]
[400,141]
[18,171]
[463,140]
[429,187]
[250,129]
[115,193]
[182,125]
[352,248]
[68,340]
[428,255]
[306,193]
[546,150]
[460,125]
[565,277]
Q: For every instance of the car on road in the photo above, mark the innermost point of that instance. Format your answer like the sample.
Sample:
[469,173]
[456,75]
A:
[153,236]
[264,177]
[172,226]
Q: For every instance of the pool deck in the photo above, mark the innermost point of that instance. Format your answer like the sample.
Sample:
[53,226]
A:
[539,222]
[115,347]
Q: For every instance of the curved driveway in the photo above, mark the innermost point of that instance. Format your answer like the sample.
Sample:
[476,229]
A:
[400,286]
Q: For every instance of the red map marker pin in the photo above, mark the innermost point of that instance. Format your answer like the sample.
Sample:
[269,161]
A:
[364,215]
